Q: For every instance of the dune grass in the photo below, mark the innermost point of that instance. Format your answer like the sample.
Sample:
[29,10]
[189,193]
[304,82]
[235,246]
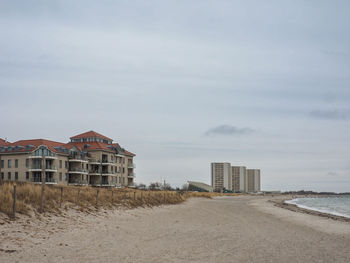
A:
[84,198]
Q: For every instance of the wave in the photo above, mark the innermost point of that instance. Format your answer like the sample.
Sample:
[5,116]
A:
[316,209]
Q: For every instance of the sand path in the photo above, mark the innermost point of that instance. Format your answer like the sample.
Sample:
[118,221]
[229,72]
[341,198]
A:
[229,229]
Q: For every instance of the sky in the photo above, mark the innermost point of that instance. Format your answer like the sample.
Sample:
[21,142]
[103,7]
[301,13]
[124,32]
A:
[264,84]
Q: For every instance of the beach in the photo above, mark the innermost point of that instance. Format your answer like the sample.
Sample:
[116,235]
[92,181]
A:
[223,229]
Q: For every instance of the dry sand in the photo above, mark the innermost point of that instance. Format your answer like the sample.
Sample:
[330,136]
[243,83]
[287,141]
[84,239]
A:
[224,229]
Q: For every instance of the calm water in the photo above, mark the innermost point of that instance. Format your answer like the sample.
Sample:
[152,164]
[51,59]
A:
[337,205]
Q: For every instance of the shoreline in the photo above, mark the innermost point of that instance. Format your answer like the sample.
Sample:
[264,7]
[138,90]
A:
[295,208]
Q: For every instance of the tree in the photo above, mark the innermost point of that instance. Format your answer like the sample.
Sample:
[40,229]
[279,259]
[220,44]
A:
[155,186]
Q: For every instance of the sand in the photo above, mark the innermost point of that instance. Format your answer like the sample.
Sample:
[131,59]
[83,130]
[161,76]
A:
[224,229]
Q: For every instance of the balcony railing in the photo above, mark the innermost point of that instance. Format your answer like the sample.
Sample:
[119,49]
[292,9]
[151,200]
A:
[78,182]
[103,161]
[51,167]
[92,160]
[81,170]
[39,167]
[73,158]
[38,155]
[131,165]
[98,182]
[48,180]
[107,172]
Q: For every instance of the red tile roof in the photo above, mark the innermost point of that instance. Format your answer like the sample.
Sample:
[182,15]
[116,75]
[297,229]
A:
[52,144]
[129,153]
[92,146]
[90,134]
[36,143]
[3,142]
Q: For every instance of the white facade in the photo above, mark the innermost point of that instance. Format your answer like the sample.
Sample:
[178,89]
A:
[243,186]
[227,176]
[234,178]
[221,176]
[257,187]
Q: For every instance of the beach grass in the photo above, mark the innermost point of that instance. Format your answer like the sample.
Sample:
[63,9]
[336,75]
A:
[85,198]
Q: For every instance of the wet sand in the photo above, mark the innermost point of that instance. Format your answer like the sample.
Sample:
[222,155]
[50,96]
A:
[224,229]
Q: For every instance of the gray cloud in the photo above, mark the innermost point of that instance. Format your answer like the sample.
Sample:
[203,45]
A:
[332,174]
[171,70]
[228,130]
[329,114]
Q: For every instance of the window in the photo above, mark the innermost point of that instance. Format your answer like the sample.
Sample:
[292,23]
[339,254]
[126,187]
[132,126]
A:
[27,162]
[60,176]
[2,163]
[66,178]
[27,176]
[9,176]
[60,163]
[16,176]
[8,163]
[66,164]
[16,163]
[2,176]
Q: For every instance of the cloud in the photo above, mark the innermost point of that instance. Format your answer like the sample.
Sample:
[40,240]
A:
[228,130]
[332,174]
[328,114]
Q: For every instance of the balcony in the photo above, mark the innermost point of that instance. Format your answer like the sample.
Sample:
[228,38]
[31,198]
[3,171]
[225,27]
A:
[37,156]
[107,162]
[94,161]
[131,175]
[51,168]
[49,180]
[77,182]
[38,168]
[96,181]
[94,172]
[131,165]
[77,159]
[106,173]
[77,171]
[98,161]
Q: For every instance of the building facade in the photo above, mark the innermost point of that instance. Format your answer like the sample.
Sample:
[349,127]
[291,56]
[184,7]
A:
[253,176]
[88,159]
[234,178]
[239,179]
[221,176]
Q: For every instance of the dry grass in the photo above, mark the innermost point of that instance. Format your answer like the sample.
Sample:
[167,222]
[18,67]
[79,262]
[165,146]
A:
[85,198]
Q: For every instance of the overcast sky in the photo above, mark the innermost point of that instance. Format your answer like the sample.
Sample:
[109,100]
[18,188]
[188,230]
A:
[265,84]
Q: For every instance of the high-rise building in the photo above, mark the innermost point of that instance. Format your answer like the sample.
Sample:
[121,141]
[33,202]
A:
[234,178]
[221,176]
[253,180]
[89,158]
[239,179]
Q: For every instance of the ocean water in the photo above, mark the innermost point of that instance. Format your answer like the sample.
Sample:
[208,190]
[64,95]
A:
[335,205]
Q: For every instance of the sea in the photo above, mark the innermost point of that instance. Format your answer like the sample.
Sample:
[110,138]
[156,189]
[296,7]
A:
[335,205]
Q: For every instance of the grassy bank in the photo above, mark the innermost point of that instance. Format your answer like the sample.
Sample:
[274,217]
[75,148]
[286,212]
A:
[83,198]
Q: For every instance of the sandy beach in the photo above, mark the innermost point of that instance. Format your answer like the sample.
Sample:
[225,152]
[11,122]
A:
[223,229]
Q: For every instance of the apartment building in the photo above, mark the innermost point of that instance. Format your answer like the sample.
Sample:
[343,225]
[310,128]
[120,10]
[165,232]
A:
[89,158]
[234,178]
[253,176]
[221,176]
[239,179]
